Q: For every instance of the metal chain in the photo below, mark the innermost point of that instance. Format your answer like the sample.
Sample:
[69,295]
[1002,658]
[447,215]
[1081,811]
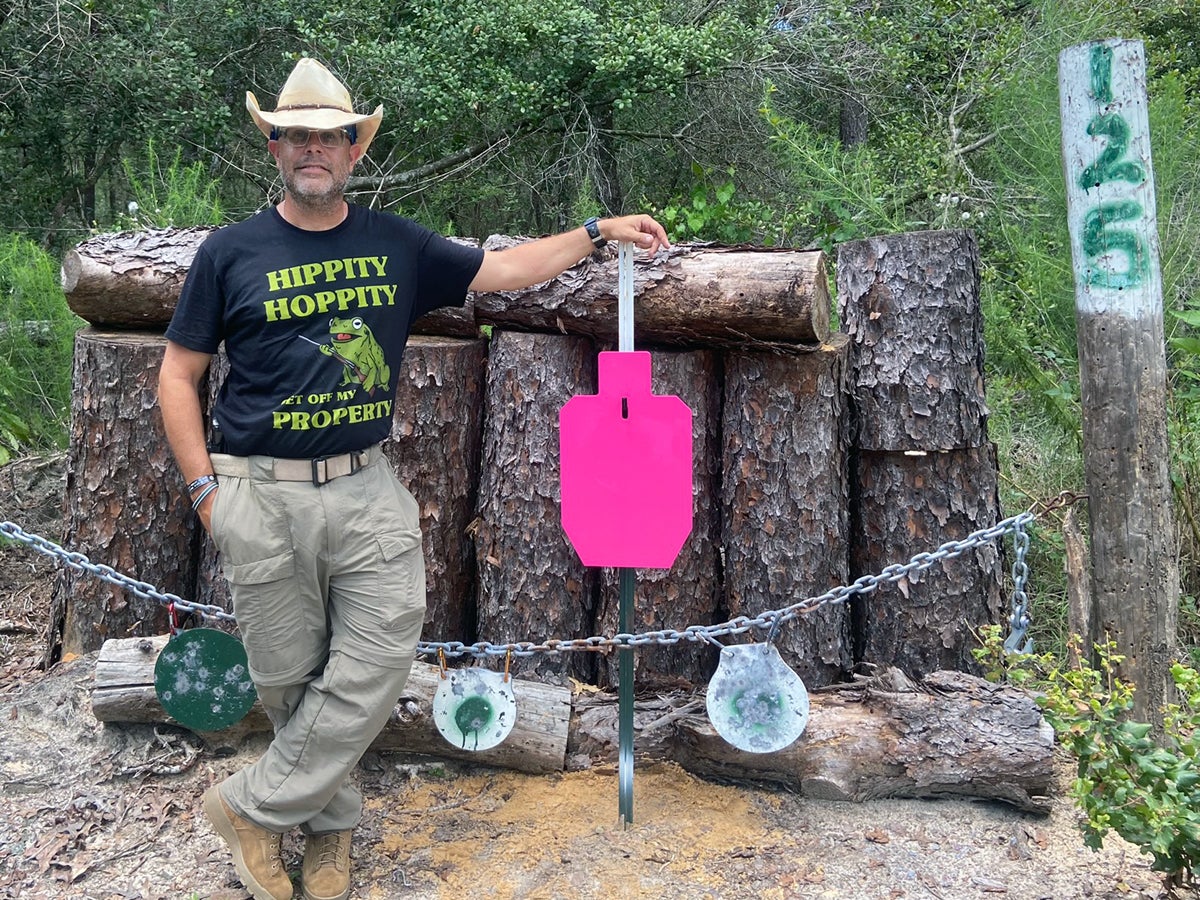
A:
[769,622]
[1019,622]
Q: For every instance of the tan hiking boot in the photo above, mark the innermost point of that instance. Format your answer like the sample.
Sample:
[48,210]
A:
[255,850]
[325,874]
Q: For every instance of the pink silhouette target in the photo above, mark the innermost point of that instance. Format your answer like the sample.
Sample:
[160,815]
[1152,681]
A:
[626,468]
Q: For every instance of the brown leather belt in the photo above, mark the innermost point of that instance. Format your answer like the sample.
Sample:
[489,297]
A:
[319,471]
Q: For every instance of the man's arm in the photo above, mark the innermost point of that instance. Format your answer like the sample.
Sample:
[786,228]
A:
[537,261]
[179,399]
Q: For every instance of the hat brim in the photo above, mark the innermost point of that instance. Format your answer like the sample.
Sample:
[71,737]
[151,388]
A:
[323,118]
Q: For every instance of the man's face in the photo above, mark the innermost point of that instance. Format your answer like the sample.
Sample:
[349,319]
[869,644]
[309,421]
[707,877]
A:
[313,173]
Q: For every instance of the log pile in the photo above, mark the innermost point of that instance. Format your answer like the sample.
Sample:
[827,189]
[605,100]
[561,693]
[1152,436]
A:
[818,457]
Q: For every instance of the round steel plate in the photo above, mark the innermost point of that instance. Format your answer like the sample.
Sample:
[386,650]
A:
[755,702]
[474,709]
[202,679]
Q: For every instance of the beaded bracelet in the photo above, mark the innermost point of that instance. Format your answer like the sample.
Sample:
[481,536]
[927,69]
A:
[204,493]
[201,482]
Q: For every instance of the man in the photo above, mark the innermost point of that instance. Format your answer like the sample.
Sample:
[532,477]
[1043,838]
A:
[319,541]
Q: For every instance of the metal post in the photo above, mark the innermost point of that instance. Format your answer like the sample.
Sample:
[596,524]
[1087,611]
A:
[625,701]
[625,609]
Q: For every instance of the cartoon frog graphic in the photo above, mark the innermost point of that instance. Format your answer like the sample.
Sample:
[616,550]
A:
[354,346]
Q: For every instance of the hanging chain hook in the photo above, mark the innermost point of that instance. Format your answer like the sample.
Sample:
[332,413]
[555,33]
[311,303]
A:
[1065,498]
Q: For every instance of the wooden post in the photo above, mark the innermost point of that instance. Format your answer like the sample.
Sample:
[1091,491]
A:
[1122,361]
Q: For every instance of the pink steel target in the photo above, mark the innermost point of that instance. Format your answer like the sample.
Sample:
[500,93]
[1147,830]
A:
[626,456]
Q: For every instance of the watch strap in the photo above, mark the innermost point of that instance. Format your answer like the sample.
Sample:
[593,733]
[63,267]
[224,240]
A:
[592,226]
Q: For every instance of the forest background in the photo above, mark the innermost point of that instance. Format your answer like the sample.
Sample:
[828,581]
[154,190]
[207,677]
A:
[801,124]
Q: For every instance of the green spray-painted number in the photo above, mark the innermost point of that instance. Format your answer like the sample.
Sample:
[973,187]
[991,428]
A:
[1100,238]
[1110,166]
[1101,65]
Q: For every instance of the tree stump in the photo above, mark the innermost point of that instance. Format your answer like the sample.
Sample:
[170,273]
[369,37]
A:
[689,593]
[125,504]
[434,448]
[910,304]
[785,498]
[906,503]
[924,471]
[532,584]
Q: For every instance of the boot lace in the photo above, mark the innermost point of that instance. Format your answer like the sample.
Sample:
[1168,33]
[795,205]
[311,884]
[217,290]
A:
[329,850]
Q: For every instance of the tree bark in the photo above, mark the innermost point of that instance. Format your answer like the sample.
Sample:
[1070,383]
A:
[125,505]
[689,593]
[910,304]
[434,447]
[950,735]
[131,279]
[211,587]
[690,296]
[785,498]
[532,584]
[912,502]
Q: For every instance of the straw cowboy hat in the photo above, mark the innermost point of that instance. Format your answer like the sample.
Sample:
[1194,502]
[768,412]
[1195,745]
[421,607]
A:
[312,97]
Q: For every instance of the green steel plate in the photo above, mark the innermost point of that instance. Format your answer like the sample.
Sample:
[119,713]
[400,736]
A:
[474,709]
[755,701]
[202,679]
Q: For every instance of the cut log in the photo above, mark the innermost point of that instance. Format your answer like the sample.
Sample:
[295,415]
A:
[689,296]
[689,593]
[124,692]
[434,448]
[950,735]
[532,584]
[785,499]
[125,505]
[131,279]
[907,503]
[910,303]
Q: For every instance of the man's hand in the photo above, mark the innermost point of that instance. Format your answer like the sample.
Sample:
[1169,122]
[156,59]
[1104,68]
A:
[640,230]
[536,261]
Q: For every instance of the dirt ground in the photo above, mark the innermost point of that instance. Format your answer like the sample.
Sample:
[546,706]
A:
[112,812]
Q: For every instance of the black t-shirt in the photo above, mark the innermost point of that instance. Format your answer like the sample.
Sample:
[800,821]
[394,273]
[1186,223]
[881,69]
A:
[314,324]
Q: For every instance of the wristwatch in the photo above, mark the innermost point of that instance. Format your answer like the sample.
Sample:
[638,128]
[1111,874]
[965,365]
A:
[592,226]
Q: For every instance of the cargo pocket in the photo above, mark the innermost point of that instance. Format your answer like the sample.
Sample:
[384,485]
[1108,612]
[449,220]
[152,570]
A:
[264,602]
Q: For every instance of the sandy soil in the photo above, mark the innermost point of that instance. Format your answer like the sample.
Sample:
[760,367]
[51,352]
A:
[108,812]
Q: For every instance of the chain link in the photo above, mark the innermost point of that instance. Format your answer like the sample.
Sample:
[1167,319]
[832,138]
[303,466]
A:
[768,622]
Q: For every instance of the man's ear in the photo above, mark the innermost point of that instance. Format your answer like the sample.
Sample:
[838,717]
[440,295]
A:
[356,153]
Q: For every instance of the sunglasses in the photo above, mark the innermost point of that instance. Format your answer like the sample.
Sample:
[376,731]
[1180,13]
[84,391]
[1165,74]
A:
[299,137]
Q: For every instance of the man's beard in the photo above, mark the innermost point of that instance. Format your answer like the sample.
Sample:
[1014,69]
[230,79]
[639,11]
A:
[317,199]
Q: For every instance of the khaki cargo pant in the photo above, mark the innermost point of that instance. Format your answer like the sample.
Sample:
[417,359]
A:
[328,588]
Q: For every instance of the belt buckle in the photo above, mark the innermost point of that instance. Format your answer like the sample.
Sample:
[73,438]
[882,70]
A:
[320,475]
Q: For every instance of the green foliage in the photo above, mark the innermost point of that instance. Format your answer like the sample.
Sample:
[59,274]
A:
[177,196]
[710,212]
[1143,787]
[36,336]
[841,194]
